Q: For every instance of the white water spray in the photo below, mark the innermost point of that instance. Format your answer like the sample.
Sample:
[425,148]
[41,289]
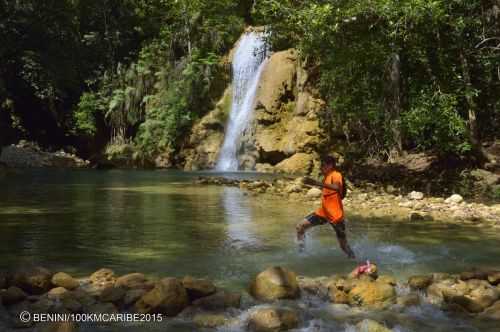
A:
[247,66]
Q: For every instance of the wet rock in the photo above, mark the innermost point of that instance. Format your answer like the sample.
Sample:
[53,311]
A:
[168,297]
[58,294]
[388,280]
[313,193]
[71,305]
[416,195]
[219,300]
[338,296]
[209,320]
[275,283]
[273,320]
[133,280]
[12,295]
[315,286]
[62,279]
[103,276]
[369,325]
[102,308]
[415,216]
[132,296]
[43,305]
[420,282]
[198,288]
[454,199]
[83,297]
[475,274]
[372,293]
[494,278]
[112,294]
[493,312]
[33,280]
[408,300]
[57,327]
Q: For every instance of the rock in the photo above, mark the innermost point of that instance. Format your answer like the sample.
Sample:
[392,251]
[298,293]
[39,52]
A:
[315,286]
[209,320]
[275,283]
[494,278]
[12,295]
[71,305]
[314,193]
[133,295]
[416,195]
[493,312]
[369,325]
[33,280]
[132,281]
[475,274]
[293,188]
[57,327]
[43,305]
[415,216]
[264,168]
[198,288]
[338,296]
[273,320]
[219,300]
[408,300]
[454,199]
[58,293]
[488,178]
[103,276]
[28,154]
[102,308]
[388,280]
[62,279]
[299,163]
[372,293]
[168,297]
[420,282]
[112,294]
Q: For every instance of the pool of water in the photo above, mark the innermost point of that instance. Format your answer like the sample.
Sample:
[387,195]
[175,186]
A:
[160,223]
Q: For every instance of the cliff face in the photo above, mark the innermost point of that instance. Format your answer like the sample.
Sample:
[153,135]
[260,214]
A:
[284,134]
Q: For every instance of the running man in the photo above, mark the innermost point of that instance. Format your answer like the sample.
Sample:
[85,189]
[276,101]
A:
[331,210]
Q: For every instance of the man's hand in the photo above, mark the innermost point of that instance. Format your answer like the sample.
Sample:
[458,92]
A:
[311,182]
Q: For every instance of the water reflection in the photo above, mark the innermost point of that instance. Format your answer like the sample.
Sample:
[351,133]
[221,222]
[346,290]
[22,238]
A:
[238,219]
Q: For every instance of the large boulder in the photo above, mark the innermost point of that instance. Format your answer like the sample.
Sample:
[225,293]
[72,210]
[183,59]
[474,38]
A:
[33,280]
[299,163]
[168,297]
[198,288]
[275,283]
[62,279]
[273,320]
[372,293]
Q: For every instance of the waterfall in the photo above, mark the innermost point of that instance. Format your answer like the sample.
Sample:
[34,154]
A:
[247,66]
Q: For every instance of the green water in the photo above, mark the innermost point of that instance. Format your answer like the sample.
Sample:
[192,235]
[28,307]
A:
[160,223]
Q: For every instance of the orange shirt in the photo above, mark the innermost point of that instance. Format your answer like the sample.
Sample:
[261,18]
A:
[331,200]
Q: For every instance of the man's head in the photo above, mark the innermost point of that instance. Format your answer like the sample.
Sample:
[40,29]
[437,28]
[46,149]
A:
[328,163]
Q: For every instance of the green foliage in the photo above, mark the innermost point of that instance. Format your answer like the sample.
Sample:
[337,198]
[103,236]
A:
[85,114]
[433,122]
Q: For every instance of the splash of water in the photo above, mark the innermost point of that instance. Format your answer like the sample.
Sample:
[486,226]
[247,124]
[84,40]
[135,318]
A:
[248,63]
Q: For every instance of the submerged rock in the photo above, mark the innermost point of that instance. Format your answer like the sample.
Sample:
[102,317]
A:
[273,320]
[198,288]
[34,280]
[369,325]
[275,283]
[210,320]
[168,297]
[219,300]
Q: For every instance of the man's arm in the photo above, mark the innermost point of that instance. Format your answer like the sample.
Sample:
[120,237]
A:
[312,182]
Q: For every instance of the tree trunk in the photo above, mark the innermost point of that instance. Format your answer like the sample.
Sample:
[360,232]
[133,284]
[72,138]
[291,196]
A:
[393,101]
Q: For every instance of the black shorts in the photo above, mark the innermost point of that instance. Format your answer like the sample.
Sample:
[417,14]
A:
[316,220]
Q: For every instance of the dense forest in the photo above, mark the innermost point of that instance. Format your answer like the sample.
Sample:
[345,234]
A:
[129,77]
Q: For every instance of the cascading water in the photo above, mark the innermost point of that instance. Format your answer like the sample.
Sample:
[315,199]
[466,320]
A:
[247,66]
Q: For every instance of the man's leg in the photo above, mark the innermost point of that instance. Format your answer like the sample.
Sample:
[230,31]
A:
[342,238]
[308,222]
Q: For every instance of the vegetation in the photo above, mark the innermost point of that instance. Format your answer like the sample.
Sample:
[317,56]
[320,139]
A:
[131,76]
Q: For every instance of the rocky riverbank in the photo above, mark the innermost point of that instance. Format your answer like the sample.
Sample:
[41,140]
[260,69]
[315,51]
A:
[276,300]
[28,154]
[368,200]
